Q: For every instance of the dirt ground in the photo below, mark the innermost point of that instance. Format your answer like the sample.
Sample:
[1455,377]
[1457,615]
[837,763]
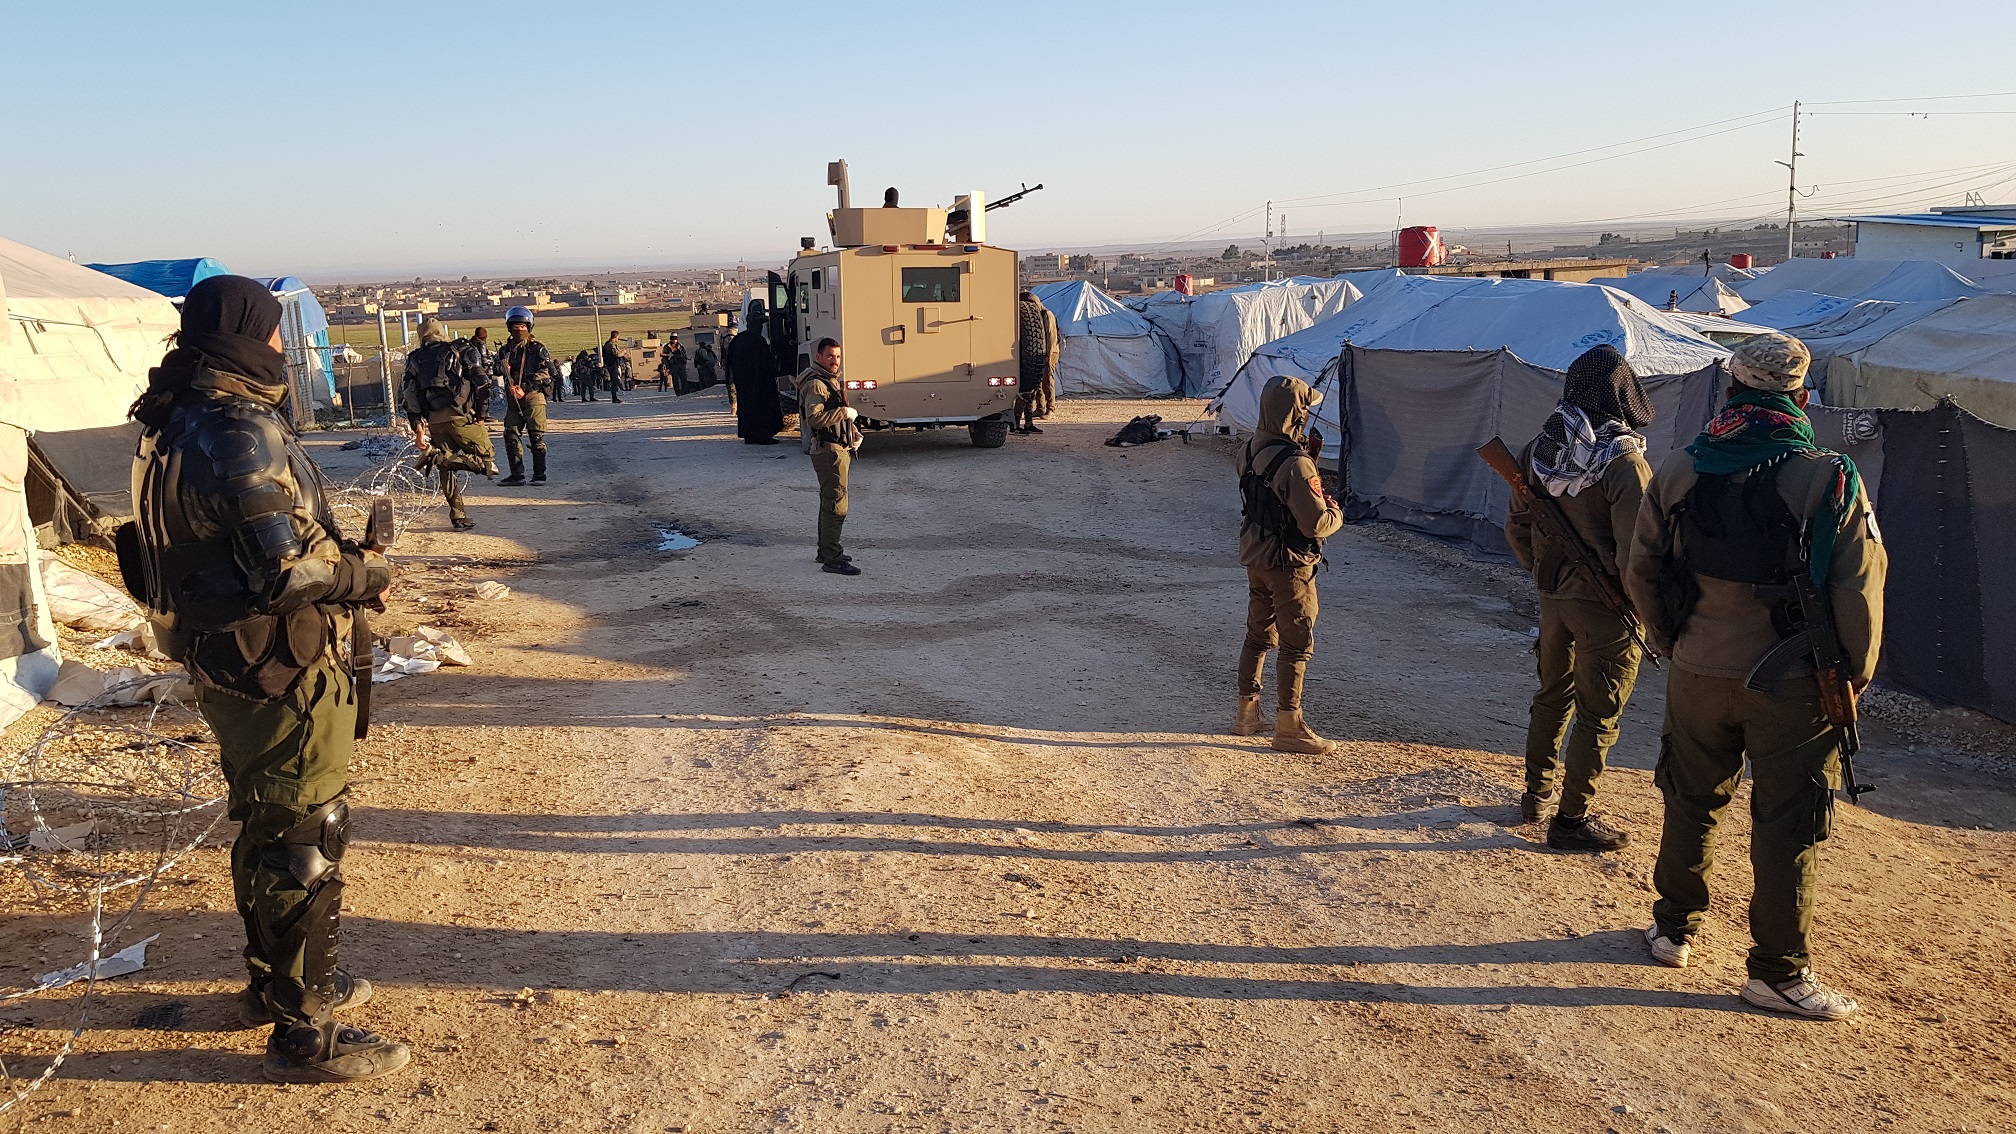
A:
[711,841]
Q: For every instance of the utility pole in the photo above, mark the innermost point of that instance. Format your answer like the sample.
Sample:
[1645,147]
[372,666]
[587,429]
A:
[1792,185]
[1267,246]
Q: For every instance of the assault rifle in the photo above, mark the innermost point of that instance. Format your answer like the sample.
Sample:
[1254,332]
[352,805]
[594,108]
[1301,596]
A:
[379,533]
[1546,512]
[1818,638]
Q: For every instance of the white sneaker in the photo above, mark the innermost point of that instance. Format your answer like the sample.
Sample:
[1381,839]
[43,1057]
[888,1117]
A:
[1800,996]
[1672,951]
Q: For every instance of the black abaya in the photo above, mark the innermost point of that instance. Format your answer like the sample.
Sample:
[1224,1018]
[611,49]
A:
[753,368]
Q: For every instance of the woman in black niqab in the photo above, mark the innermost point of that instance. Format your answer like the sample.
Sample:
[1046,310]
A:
[227,325]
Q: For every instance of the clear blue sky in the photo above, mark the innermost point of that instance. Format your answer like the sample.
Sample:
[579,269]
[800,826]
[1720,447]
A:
[332,140]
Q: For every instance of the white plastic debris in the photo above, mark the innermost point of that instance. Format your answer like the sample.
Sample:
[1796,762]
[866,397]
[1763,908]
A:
[62,838]
[86,601]
[131,959]
[446,648]
[139,640]
[672,539]
[491,590]
[79,684]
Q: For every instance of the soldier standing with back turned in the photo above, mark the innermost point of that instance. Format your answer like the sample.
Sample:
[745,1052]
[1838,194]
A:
[1590,458]
[1751,505]
[1288,516]
[251,585]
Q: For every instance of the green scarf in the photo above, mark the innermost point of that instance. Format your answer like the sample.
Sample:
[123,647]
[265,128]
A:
[1760,426]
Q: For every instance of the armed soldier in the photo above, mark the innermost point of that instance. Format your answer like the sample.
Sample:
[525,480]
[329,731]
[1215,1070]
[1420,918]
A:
[252,586]
[613,364]
[1755,530]
[1288,516]
[822,402]
[530,377]
[448,402]
[672,367]
[1589,460]
[1036,354]
[586,374]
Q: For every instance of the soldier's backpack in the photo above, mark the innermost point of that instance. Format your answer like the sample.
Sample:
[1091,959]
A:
[1269,515]
[437,369]
[1741,533]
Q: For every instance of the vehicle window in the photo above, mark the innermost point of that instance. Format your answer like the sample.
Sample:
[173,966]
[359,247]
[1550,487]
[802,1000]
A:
[817,279]
[931,285]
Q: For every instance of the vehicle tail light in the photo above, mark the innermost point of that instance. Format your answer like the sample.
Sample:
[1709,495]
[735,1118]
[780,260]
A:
[1001,381]
[864,384]
[892,248]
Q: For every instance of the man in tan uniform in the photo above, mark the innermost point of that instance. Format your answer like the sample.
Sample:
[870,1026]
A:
[829,420]
[1590,458]
[1288,516]
[1752,502]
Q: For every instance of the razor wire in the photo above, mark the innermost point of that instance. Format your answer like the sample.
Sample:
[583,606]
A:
[393,475]
[120,793]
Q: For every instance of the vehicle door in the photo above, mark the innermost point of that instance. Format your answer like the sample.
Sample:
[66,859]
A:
[933,299]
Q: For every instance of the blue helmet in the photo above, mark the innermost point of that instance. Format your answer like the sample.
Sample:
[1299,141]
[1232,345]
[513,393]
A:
[518,315]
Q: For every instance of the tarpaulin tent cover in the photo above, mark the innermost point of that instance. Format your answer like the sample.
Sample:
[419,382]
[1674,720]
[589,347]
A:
[1947,507]
[1546,324]
[1107,347]
[1216,333]
[1860,279]
[1965,351]
[1993,275]
[1705,294]
[172,278]
[1717,328]
[1724,272]
[304,334]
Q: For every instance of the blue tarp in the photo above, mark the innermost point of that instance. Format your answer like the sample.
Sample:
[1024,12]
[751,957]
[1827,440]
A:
[304,333]
[172,278]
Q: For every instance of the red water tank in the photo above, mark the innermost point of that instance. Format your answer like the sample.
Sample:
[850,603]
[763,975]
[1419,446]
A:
[1421,247]
[1740,260]
[1183,284]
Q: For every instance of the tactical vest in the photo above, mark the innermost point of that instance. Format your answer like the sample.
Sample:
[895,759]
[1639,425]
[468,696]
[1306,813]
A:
[1269,516]
[443,386]
[1739,533]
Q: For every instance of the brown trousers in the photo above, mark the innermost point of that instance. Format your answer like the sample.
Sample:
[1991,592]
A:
[1280,611]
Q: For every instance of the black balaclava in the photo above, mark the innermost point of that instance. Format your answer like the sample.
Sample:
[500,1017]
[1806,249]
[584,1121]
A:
[226,322]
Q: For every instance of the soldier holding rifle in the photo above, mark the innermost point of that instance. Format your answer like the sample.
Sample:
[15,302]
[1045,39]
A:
[1757,566]
[1575,501]
[251,584]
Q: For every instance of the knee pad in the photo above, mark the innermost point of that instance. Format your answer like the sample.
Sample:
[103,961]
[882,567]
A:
[314,847]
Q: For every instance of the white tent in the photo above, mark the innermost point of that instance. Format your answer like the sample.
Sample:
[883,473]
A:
[1723,272]
[1912,280]
[1545,324]
[1217,332]
[1993,275]
[1704,294]
[1965,350]
[1107,347]
[75,347]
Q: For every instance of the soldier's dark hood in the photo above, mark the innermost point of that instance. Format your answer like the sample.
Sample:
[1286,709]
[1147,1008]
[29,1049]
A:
[226,324]
[1285,405]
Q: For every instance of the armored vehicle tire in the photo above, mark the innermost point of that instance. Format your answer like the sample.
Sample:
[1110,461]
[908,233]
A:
[989,434]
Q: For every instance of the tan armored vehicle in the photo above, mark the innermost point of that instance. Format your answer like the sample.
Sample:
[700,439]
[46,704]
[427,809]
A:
[923,309]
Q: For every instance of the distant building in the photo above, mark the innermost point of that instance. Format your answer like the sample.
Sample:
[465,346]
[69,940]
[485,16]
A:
[1563,271]
[1956,237]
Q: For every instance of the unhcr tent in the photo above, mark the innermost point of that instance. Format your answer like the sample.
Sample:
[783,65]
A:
[1966,350]
[1704,294]
[304,336]
[1911,280]
[1430,367]
[1217,332]
[1723,272]
[1107,348]
[75,347]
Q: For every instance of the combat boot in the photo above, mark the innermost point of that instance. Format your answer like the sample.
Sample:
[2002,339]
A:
[330,1053]
[1293,734]
[538,469]
[1584,833]
[1250,722]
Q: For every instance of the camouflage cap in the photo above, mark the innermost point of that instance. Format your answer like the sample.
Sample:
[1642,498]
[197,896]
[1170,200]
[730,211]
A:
[1771,362]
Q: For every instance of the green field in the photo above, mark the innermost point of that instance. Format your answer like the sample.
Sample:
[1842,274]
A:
[564,335]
